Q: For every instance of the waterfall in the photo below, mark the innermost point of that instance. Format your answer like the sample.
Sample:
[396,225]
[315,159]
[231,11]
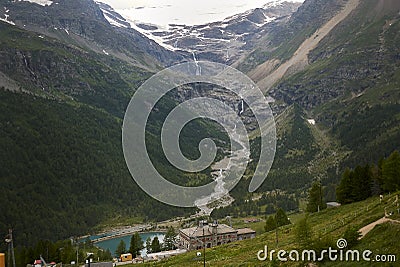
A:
[198,67]
[241,110]
[227,55]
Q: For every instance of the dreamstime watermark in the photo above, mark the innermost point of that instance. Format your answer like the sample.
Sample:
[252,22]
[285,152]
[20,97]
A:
[331,254]
[155,88]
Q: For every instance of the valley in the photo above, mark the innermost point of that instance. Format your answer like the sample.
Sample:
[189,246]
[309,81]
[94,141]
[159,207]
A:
[330,71]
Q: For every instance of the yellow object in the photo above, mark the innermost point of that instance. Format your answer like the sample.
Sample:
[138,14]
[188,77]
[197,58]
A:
[2,260]
[124,257]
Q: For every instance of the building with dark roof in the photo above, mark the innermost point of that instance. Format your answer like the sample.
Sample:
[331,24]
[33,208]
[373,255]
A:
[211,235]
[245,233]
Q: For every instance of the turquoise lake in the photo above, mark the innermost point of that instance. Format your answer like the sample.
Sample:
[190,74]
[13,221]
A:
[112,244]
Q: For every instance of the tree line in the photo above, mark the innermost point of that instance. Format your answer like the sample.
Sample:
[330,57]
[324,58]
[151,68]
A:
[244,205]
[274,221]
[63,251]
[365,181]
[152,245]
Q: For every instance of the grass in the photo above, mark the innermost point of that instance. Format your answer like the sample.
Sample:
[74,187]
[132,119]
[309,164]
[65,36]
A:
[382,240]
[329,224]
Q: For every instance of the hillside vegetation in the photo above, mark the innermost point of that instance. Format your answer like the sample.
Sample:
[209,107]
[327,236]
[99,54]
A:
[351,86]
[326,228]
[63,169]
[342,107]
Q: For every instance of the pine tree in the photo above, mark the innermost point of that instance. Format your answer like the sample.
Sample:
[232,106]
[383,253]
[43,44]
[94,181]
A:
[155,245]
[121,248]
[281,218]
[303,232]
[136,244]
[148,245]
[391,172]
[355,185]
[169,239]
[270,224]
[344,189]
[315,199]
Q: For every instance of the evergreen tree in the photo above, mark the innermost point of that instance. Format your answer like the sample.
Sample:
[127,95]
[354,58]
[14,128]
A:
[155,245]
[344,189]
[148,245]
[281,218]
[376,178]
[355,185]
[270,224]
[169,239]
[391,172]
[315,199]
[362,183]
[136,244]
[303,232]
[103,255]
[121,248]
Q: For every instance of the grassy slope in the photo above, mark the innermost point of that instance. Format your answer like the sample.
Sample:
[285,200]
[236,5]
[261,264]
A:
[330,224]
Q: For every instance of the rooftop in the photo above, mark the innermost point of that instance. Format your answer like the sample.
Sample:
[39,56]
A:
[244,231]
[198,231]
[333,204]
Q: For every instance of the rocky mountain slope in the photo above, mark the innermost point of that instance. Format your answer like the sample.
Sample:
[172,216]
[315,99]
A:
[348,83]
[223,41]
[353,79]
[69,68]
[336,104]
[82,24]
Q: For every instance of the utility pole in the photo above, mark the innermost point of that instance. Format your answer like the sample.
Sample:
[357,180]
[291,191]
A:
[9,240]
[204,249]
[320,195]
[77,253]
[276,221]
[276,232]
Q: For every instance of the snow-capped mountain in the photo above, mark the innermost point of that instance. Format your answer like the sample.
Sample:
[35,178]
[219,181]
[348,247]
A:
[222,41]
[39,2]
[98,27]
[83,24]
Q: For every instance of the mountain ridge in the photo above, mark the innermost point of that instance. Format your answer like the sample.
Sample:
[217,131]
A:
[82,23]
[220,41]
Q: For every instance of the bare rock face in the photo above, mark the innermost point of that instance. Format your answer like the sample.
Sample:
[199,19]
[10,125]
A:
[83,23]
